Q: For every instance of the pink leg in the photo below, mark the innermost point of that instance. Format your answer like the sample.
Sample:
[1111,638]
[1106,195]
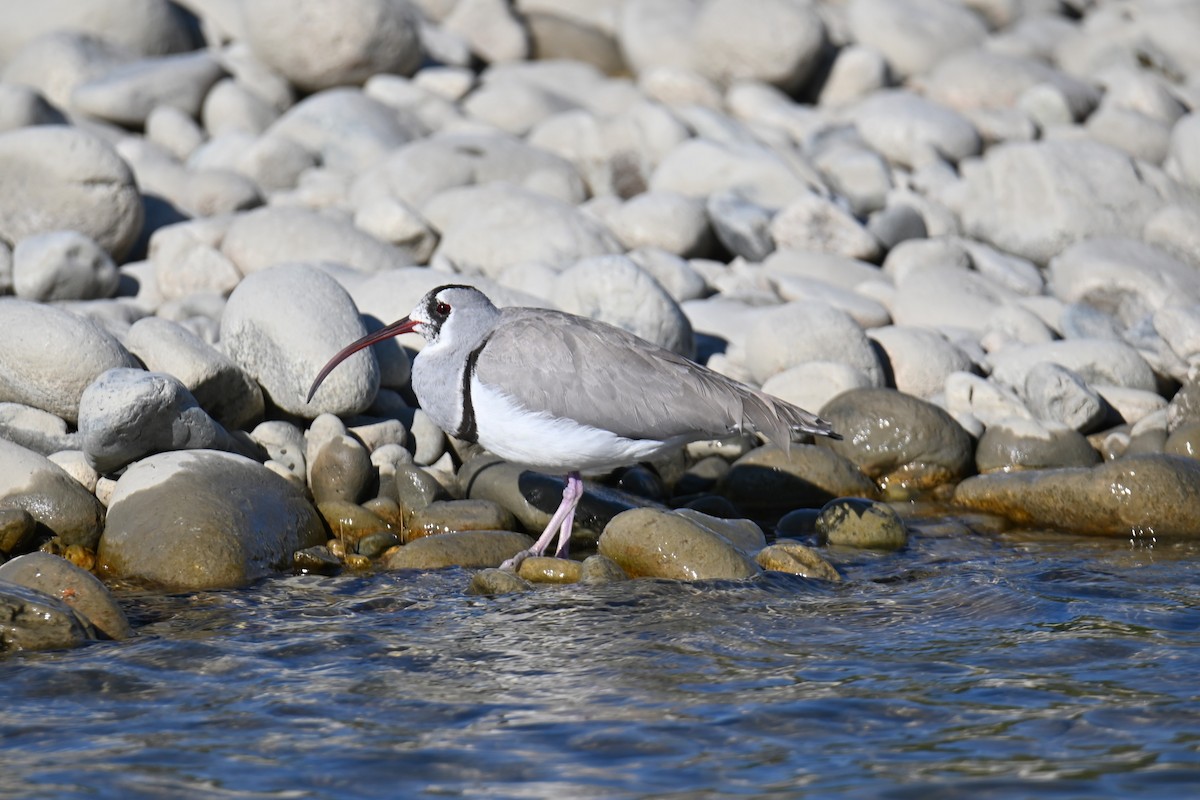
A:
[561,523]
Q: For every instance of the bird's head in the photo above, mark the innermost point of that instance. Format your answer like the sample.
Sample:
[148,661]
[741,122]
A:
[447,312]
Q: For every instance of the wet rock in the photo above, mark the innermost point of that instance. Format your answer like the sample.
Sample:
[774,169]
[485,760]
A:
[267,329]
[601,569]
[416,488]
[62,265]
[32,620]
[340,470]
[550,570]
[204,519]
[32,482]
[373,545]
[17,527]
[61,178]
[1140,497]
[130,413]
[1184,441]
[865,524]
[767,482]
[532,497]
[50,356]
[903,443]
[459,548]
[76,587]
[443,516]
[792,557]
[493,581]
[1030,444]
[316,560]
[744,534]
[662,544]
[221,387]
[350,522]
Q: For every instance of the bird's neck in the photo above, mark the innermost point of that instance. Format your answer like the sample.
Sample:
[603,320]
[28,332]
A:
[441,381]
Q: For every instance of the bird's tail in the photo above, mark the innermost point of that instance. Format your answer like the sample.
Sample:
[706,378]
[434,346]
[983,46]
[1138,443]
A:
[779,421]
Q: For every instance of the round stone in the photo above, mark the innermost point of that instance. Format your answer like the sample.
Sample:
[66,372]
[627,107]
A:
[865,524]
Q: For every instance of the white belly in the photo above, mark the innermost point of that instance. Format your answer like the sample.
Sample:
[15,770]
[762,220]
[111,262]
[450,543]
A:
[548,443]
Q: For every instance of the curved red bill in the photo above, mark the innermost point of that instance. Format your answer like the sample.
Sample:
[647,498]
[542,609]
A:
[405,325]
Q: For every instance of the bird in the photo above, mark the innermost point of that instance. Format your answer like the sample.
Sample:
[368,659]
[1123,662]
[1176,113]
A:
[561,393]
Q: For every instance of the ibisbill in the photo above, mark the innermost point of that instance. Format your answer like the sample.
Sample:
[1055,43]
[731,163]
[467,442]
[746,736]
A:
[567,394]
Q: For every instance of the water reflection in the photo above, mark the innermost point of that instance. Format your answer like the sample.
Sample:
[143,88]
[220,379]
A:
[991,665]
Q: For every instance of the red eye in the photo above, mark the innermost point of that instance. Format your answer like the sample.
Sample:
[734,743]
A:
[442,309]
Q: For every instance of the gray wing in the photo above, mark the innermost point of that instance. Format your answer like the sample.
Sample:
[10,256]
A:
[599,375]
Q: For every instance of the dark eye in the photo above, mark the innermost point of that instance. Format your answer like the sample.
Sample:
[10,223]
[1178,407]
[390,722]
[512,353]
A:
[442,309]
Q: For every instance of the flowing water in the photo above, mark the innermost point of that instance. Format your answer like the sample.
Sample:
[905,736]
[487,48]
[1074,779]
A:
[981,666]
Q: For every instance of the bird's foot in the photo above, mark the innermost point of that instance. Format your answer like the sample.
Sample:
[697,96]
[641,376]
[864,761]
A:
[513,564]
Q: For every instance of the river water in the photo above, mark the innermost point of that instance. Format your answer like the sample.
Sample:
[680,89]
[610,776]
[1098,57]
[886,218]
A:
[967,665]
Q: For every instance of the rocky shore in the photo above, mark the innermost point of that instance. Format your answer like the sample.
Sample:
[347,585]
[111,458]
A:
[966,233]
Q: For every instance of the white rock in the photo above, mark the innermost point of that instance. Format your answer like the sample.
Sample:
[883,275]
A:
[796,333]
[186,261]
[283,324]
[920,359]
[742,227]
[813,222]
[491,29]
[220,386]
[127,414]
[173,130]
[1035,199]
[231,107]
[50,356]
[285,445]
[910,130]
[665,220]
[62,265]
[75,464]
[1097,361]
[700,167]
[1053,392]
[1179,326]
[266,237]
[128,93]
[40,431]
[866,312]
[857,71]
[814,383]
[615,290]
[973,396]
[677,276]
[1132,405]
[1123,277]
[913,35]
[398,224]
[948,296]
[487,228]
[63,178]
[322,43]
[839,270]
[347,130]
[417,172]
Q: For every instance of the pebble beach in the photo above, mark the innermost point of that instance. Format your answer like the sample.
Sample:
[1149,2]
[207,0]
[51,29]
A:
[963,233]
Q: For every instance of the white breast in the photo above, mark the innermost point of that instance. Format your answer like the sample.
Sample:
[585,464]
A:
[545,442]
